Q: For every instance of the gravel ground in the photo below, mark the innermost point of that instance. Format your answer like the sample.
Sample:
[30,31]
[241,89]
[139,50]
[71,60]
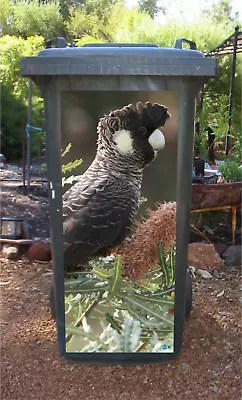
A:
[31,368]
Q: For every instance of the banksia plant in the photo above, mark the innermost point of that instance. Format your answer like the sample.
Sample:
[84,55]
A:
[125,301]
[140,251]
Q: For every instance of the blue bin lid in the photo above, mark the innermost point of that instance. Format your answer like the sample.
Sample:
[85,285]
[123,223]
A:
[119,59]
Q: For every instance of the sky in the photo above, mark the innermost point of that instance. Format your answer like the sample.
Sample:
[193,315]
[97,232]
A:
[191,9]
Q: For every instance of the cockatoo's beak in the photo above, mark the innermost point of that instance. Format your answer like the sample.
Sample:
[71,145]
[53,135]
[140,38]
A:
[157,140]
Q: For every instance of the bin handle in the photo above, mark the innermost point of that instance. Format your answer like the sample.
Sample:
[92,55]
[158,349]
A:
[178,44]
[59,41]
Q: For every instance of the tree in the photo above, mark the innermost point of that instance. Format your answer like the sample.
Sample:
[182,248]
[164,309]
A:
[82,24]
[151,7]
[220,12]
[66,6]
[5,16]
[101,8]
[28,18]
[133,26]
[92,18]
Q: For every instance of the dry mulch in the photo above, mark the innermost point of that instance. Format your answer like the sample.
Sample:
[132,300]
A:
[31,368]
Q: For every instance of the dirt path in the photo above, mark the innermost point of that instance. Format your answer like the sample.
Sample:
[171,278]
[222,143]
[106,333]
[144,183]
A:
[31,368]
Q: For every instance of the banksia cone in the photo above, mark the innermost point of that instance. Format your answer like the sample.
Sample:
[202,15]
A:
[140,251]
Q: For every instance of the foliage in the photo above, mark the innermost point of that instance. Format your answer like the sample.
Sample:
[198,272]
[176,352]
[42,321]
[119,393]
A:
[221,84]
[91,18]
[214,115]
[151,7]
[5,16]
[66,6]
[236,150]
[231,171]
[87,39]
[13,122]
[28,18]
[106,21]
[134,26]
[101,8]
[220,11]
[110,313]
[81,23]
[14,96]
[12,48]
[139,27]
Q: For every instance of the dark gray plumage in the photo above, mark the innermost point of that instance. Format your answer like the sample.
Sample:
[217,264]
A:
[99,208]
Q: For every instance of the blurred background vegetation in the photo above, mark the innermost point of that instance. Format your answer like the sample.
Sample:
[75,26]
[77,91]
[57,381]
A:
[26,24]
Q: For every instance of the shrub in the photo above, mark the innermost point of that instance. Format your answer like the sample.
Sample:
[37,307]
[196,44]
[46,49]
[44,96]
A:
[13,122]
[14,96]
[231,171]
[29,18]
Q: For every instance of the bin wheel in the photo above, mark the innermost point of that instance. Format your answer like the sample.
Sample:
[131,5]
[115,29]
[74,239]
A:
[188,306]
[52,301]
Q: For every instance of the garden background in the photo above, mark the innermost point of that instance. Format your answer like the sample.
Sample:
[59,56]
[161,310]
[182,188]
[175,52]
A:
[26,25]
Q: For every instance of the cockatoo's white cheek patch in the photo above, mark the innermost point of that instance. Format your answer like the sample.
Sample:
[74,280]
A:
[157,140]
[124,141]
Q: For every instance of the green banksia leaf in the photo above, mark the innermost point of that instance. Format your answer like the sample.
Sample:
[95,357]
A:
[128,314]
[67,149]
[70,166]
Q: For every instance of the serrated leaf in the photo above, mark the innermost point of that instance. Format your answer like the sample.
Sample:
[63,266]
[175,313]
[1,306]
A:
[141,307]
[102,273]
[71,165]
[161,300]
[67,149]
[162,263]
[113,322]
[147,306]
[85,286]
[116,277]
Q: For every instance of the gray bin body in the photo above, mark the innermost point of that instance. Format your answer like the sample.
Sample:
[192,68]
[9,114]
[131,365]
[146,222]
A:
[80,85]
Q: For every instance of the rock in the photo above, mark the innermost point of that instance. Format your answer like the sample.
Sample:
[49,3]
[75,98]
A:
[10,252]
[203,255]
[39,252]
[232,256]
[205,274]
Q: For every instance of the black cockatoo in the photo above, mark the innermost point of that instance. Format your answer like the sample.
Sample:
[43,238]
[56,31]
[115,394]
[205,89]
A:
[99,208]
